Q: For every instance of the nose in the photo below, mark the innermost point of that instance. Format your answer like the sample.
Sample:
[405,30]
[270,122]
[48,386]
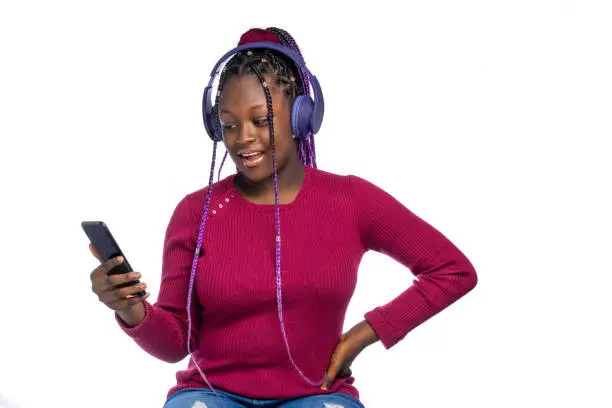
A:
[246,134]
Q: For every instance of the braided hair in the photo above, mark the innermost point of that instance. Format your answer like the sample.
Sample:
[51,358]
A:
[291,79]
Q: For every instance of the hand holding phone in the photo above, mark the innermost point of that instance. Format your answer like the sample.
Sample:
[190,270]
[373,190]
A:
[114,281]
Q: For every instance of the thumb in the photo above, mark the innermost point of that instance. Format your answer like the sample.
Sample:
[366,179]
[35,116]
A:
[330,375]
[94,252]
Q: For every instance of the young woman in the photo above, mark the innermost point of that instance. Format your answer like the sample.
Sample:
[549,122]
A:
[261,332]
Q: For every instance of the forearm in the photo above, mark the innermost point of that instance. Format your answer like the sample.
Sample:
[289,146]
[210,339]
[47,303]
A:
[133,315]
[363,334]
[428,296]
[160,332]
[161,329]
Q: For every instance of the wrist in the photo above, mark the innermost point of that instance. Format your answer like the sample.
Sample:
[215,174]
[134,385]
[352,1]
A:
[132,316]
[363,334]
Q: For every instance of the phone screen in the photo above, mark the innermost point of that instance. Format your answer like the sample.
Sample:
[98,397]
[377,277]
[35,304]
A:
[106,246]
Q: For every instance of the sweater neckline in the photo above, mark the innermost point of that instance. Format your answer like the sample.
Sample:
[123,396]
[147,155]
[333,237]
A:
[306,184]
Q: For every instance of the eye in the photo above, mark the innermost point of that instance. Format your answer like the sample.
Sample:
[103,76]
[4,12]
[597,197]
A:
[261,121]
[228,126]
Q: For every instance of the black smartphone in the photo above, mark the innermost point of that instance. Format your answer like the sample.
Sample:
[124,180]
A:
[106,246]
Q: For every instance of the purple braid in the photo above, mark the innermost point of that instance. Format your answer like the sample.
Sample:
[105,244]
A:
[199,250]
[311,149]
[287,40]
[279,294]
[217,127]
[221,167]
[283,73]
[306,147]
[301,154]
[194,265]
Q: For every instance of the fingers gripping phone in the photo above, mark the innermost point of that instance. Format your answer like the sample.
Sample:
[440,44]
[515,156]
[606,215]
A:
[106,246]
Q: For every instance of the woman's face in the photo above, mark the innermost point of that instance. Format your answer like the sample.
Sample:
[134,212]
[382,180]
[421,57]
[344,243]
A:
[244,121]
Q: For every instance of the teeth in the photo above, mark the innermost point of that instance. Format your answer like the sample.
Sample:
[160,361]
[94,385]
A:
[250,154]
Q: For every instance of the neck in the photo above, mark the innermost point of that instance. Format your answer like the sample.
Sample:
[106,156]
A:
[290,178]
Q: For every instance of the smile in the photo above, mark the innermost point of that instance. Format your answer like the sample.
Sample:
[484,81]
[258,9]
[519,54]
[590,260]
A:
[251,159]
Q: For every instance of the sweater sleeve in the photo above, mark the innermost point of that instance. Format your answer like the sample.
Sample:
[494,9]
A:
[443,273]
[163,332]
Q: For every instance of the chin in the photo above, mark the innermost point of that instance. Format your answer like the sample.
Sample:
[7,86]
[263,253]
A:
[261,172]
[256,174]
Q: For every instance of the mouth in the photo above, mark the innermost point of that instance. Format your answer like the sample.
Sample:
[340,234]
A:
[251,159]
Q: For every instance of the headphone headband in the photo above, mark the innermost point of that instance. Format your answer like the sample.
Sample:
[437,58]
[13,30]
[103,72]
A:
[259,45]
[318,107]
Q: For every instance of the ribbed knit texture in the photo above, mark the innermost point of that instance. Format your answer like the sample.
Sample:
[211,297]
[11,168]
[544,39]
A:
[325,231]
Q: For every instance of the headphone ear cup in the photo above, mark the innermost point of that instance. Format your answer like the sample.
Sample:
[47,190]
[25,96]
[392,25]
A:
[209,113]
[301,115]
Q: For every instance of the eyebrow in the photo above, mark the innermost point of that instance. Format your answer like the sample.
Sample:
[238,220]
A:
[261,105]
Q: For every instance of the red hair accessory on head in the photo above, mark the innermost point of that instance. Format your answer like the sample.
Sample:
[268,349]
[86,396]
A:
[257,35]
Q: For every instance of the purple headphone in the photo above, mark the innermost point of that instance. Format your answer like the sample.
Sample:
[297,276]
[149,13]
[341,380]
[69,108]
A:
[306,113]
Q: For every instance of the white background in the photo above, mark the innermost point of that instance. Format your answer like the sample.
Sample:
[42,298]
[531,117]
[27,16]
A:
[488,119]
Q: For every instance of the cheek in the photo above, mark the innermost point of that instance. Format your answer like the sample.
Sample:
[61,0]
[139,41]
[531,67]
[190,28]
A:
[284,141]
[284,150]
[283,134]
[282,137]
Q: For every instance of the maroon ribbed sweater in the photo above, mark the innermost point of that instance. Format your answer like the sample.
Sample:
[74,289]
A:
[325,231]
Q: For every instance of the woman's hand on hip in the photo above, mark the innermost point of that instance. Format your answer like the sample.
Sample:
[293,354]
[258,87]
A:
[351,344]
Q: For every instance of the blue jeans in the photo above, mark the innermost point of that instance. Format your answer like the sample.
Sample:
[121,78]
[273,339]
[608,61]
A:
[205,398]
